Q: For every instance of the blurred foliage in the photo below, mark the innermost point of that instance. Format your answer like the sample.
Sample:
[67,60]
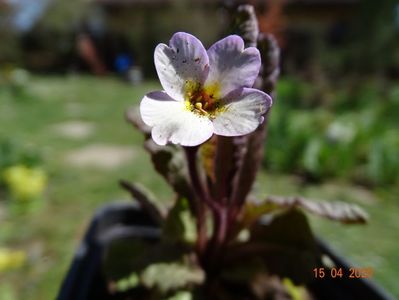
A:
[377,44]
[350,47]
[50,45]
[10,50]
[145,27]
[13,152]
[342,47]
[15,82]
[64,15]
[11,259]
[352,135]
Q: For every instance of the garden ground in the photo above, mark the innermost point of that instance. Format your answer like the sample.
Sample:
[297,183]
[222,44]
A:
[77,124]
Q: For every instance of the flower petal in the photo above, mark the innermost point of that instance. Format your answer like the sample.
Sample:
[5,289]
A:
[230,66]
[243,112]
[172,122]
[185,59]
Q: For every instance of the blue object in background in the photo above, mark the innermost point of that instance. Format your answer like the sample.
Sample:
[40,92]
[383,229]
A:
[123,62]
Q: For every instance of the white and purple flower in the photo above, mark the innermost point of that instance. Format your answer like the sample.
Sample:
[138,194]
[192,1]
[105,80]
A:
[205,92]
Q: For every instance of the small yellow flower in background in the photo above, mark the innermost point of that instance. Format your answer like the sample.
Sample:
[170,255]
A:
[25,183]
[11,259]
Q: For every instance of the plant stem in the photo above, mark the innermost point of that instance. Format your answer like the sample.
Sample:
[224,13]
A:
[208,253]
[218,242]
[201,197]
[199,187]
[222,225]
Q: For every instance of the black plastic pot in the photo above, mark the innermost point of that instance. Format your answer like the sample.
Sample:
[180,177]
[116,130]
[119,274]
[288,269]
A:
[84,280]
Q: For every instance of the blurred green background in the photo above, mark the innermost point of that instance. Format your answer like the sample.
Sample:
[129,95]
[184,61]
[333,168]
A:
[70,69]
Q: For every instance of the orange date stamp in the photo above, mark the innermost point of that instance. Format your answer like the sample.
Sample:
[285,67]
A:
[338,272]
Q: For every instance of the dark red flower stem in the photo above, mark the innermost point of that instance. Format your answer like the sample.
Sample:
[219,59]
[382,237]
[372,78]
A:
[221,228]
[201,198]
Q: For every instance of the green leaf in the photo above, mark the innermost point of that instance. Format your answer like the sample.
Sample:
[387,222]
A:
[285,245]
[168,160]
[170,163]
[182,295]
[171,276]
[336,211]
[180,224]
[124,284]
[294,251]
[132,116]
[146,200]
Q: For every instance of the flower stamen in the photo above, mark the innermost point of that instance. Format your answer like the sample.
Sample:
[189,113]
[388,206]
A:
[198,106]
[200,100]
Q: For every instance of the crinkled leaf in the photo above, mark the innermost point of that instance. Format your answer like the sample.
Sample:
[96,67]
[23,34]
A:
[270,70]
[245,24]
[180,224]
[286,245]
[254,210]
[171,276]
[168,160]
[146,200]
[132,115]
[336,211]
[298,253]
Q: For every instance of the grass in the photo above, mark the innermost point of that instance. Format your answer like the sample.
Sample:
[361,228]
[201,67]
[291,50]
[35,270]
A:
[51,234]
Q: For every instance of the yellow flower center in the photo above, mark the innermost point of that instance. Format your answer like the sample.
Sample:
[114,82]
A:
[204,101]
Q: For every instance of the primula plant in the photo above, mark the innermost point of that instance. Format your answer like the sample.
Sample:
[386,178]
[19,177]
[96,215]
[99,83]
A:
[205,133]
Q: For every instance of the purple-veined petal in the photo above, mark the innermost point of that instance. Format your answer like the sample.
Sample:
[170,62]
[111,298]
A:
[172,122]
[231,66]
[185,59]
[242,113]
